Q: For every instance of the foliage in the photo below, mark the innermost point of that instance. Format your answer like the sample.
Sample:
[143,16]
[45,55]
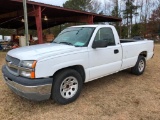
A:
[83,5]
[115,11]
[7,32]
[128,13]
[130,10]
[135,30]
[153,25]
[124,31]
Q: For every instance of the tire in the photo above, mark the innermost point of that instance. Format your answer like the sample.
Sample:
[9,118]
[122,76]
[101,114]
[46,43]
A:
[67,86]
[140,66]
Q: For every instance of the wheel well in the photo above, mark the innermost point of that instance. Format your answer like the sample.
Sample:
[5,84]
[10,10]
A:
[78,68]
[144,54]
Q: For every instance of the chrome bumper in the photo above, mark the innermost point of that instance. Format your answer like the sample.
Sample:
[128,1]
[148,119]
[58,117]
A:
[37,93]
[33,91]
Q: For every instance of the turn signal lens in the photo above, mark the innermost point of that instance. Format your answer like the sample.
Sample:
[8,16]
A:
[32,74]
[34,64]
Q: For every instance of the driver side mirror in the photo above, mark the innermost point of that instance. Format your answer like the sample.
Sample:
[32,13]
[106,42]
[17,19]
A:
[100,44]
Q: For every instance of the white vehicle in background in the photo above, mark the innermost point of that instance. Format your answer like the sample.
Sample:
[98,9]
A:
[1,38]
[7,38]
[78,54]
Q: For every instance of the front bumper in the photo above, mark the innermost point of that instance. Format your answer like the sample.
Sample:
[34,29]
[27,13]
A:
[37,89]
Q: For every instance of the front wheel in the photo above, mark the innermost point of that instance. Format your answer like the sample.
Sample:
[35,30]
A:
[67,85]
[139,68]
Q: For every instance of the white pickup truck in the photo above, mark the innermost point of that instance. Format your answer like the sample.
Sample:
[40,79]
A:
[78,54]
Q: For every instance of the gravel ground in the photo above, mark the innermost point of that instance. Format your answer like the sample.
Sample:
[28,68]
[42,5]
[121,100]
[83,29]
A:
[120,96]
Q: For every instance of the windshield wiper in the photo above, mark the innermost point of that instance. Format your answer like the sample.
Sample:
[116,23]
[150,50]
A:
[78,46]
[67,43]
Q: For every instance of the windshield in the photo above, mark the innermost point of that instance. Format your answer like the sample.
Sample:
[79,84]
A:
[77,36]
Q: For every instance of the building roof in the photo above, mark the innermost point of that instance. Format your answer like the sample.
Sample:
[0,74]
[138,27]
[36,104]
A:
[11,14]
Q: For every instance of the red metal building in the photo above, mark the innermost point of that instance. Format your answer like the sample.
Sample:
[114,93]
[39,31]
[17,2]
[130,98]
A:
[11,14]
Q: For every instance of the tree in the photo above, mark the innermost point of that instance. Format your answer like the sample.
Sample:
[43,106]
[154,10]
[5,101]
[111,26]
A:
[84,5]
[135,30]
[95,7]
[116,13]
[4,31]
[107,7]
[124,31]
[153,26]
[146,9]
[128,14]
[78,4]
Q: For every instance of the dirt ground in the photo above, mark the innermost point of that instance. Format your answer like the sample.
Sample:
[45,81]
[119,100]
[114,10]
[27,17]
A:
[120,96]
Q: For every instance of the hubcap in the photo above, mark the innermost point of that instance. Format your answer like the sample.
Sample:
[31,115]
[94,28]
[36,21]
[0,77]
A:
[69,87]
[141,66]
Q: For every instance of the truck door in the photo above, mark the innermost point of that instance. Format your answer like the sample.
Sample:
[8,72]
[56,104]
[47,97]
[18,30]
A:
[106,60]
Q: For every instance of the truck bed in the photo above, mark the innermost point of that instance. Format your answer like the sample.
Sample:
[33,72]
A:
[132,48]
[129,40]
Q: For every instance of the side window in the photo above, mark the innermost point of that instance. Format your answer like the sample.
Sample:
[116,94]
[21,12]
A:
[105,34]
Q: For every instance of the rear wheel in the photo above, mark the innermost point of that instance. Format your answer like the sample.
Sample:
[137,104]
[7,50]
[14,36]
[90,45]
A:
[67,85]
[139,68]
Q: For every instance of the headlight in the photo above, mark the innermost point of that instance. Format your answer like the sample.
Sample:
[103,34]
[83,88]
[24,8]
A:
[28,69]
[28,64]
[25,74]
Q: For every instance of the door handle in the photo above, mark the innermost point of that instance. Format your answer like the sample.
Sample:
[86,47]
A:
[116,51]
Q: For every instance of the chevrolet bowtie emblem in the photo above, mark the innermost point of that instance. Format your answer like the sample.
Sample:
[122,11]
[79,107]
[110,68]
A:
[9,63]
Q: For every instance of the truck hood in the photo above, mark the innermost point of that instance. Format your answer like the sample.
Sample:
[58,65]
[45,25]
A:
[36,52]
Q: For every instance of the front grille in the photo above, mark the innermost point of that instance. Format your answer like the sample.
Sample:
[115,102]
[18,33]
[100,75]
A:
[13,69]
[14,61]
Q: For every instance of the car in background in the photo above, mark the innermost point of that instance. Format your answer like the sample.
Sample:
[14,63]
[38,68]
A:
[138,38]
